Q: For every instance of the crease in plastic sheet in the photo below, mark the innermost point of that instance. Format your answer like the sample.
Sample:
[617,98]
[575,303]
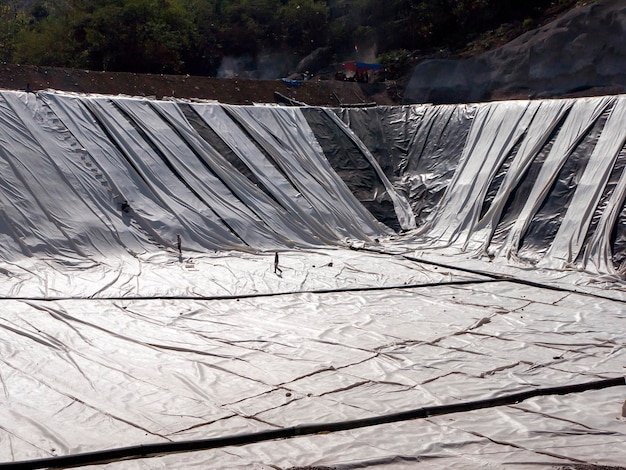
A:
[570,237]
[547,117]
[456,221]
[544,225]
[433,155]
[150,211]
[403,210]
[294,201]
[349,162]
[238,215]
[45,181]
[188,198]
[268,210]
[167,184]
[424,144]
[598,252]
[583,114]
[285,135]
[388,148]
[481,158]
[146,171]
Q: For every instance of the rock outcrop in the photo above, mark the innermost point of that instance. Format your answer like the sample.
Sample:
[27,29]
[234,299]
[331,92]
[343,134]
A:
[581,52]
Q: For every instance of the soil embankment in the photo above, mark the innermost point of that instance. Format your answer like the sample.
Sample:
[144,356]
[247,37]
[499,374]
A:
[232,91]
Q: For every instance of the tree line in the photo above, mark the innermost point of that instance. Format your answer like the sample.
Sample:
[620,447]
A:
[192,36]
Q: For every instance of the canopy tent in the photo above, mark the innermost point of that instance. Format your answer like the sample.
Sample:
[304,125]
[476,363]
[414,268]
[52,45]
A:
[359,67]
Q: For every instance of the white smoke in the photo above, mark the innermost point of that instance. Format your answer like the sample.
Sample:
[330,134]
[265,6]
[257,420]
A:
[232,67]
[268,65]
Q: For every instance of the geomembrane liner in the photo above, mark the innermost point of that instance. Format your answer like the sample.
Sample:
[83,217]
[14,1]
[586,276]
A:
[174,272]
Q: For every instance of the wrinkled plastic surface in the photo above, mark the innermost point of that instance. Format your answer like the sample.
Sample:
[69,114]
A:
[419,147]
[110,336]
[533,182]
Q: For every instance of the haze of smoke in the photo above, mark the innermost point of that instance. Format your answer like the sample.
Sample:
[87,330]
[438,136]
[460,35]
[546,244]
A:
[268,65]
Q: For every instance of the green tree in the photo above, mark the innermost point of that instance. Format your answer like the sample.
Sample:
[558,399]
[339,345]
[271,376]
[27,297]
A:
[12,20]
[116,35]
[139,35]
[45,39]
[204,54]
[305,24]
[247,26]
[192,36]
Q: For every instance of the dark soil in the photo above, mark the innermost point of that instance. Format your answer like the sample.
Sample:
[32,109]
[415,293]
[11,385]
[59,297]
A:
[233,91]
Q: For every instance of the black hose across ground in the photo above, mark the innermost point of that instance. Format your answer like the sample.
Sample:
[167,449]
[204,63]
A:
[153,450]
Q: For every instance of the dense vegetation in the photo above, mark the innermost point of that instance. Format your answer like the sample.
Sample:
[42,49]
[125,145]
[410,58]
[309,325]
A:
[192,36]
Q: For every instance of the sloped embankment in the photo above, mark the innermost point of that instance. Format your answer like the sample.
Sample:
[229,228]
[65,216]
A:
[579,54]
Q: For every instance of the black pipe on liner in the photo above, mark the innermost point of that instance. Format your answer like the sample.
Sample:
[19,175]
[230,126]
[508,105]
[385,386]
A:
[512,279]
[153,450]
[255,295]
[491,275]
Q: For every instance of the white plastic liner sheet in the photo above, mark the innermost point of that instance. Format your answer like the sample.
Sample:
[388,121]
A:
[109,336]
[87,374]
[219,274]
[528,182]
[284,134]
[579,120]
[481,158]
[87,156]
[505,180]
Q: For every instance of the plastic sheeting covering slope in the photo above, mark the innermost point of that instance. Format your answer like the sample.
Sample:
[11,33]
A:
[110,337]
[529,181]
[81,375]
[87,156]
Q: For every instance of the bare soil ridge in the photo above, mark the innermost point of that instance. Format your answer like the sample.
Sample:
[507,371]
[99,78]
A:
[231,91]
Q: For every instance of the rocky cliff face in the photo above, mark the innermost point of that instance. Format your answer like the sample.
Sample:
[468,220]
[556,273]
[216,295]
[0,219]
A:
[580,53]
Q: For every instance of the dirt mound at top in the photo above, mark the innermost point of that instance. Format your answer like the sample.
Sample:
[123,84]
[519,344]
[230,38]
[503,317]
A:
[232,91]
[580,53]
